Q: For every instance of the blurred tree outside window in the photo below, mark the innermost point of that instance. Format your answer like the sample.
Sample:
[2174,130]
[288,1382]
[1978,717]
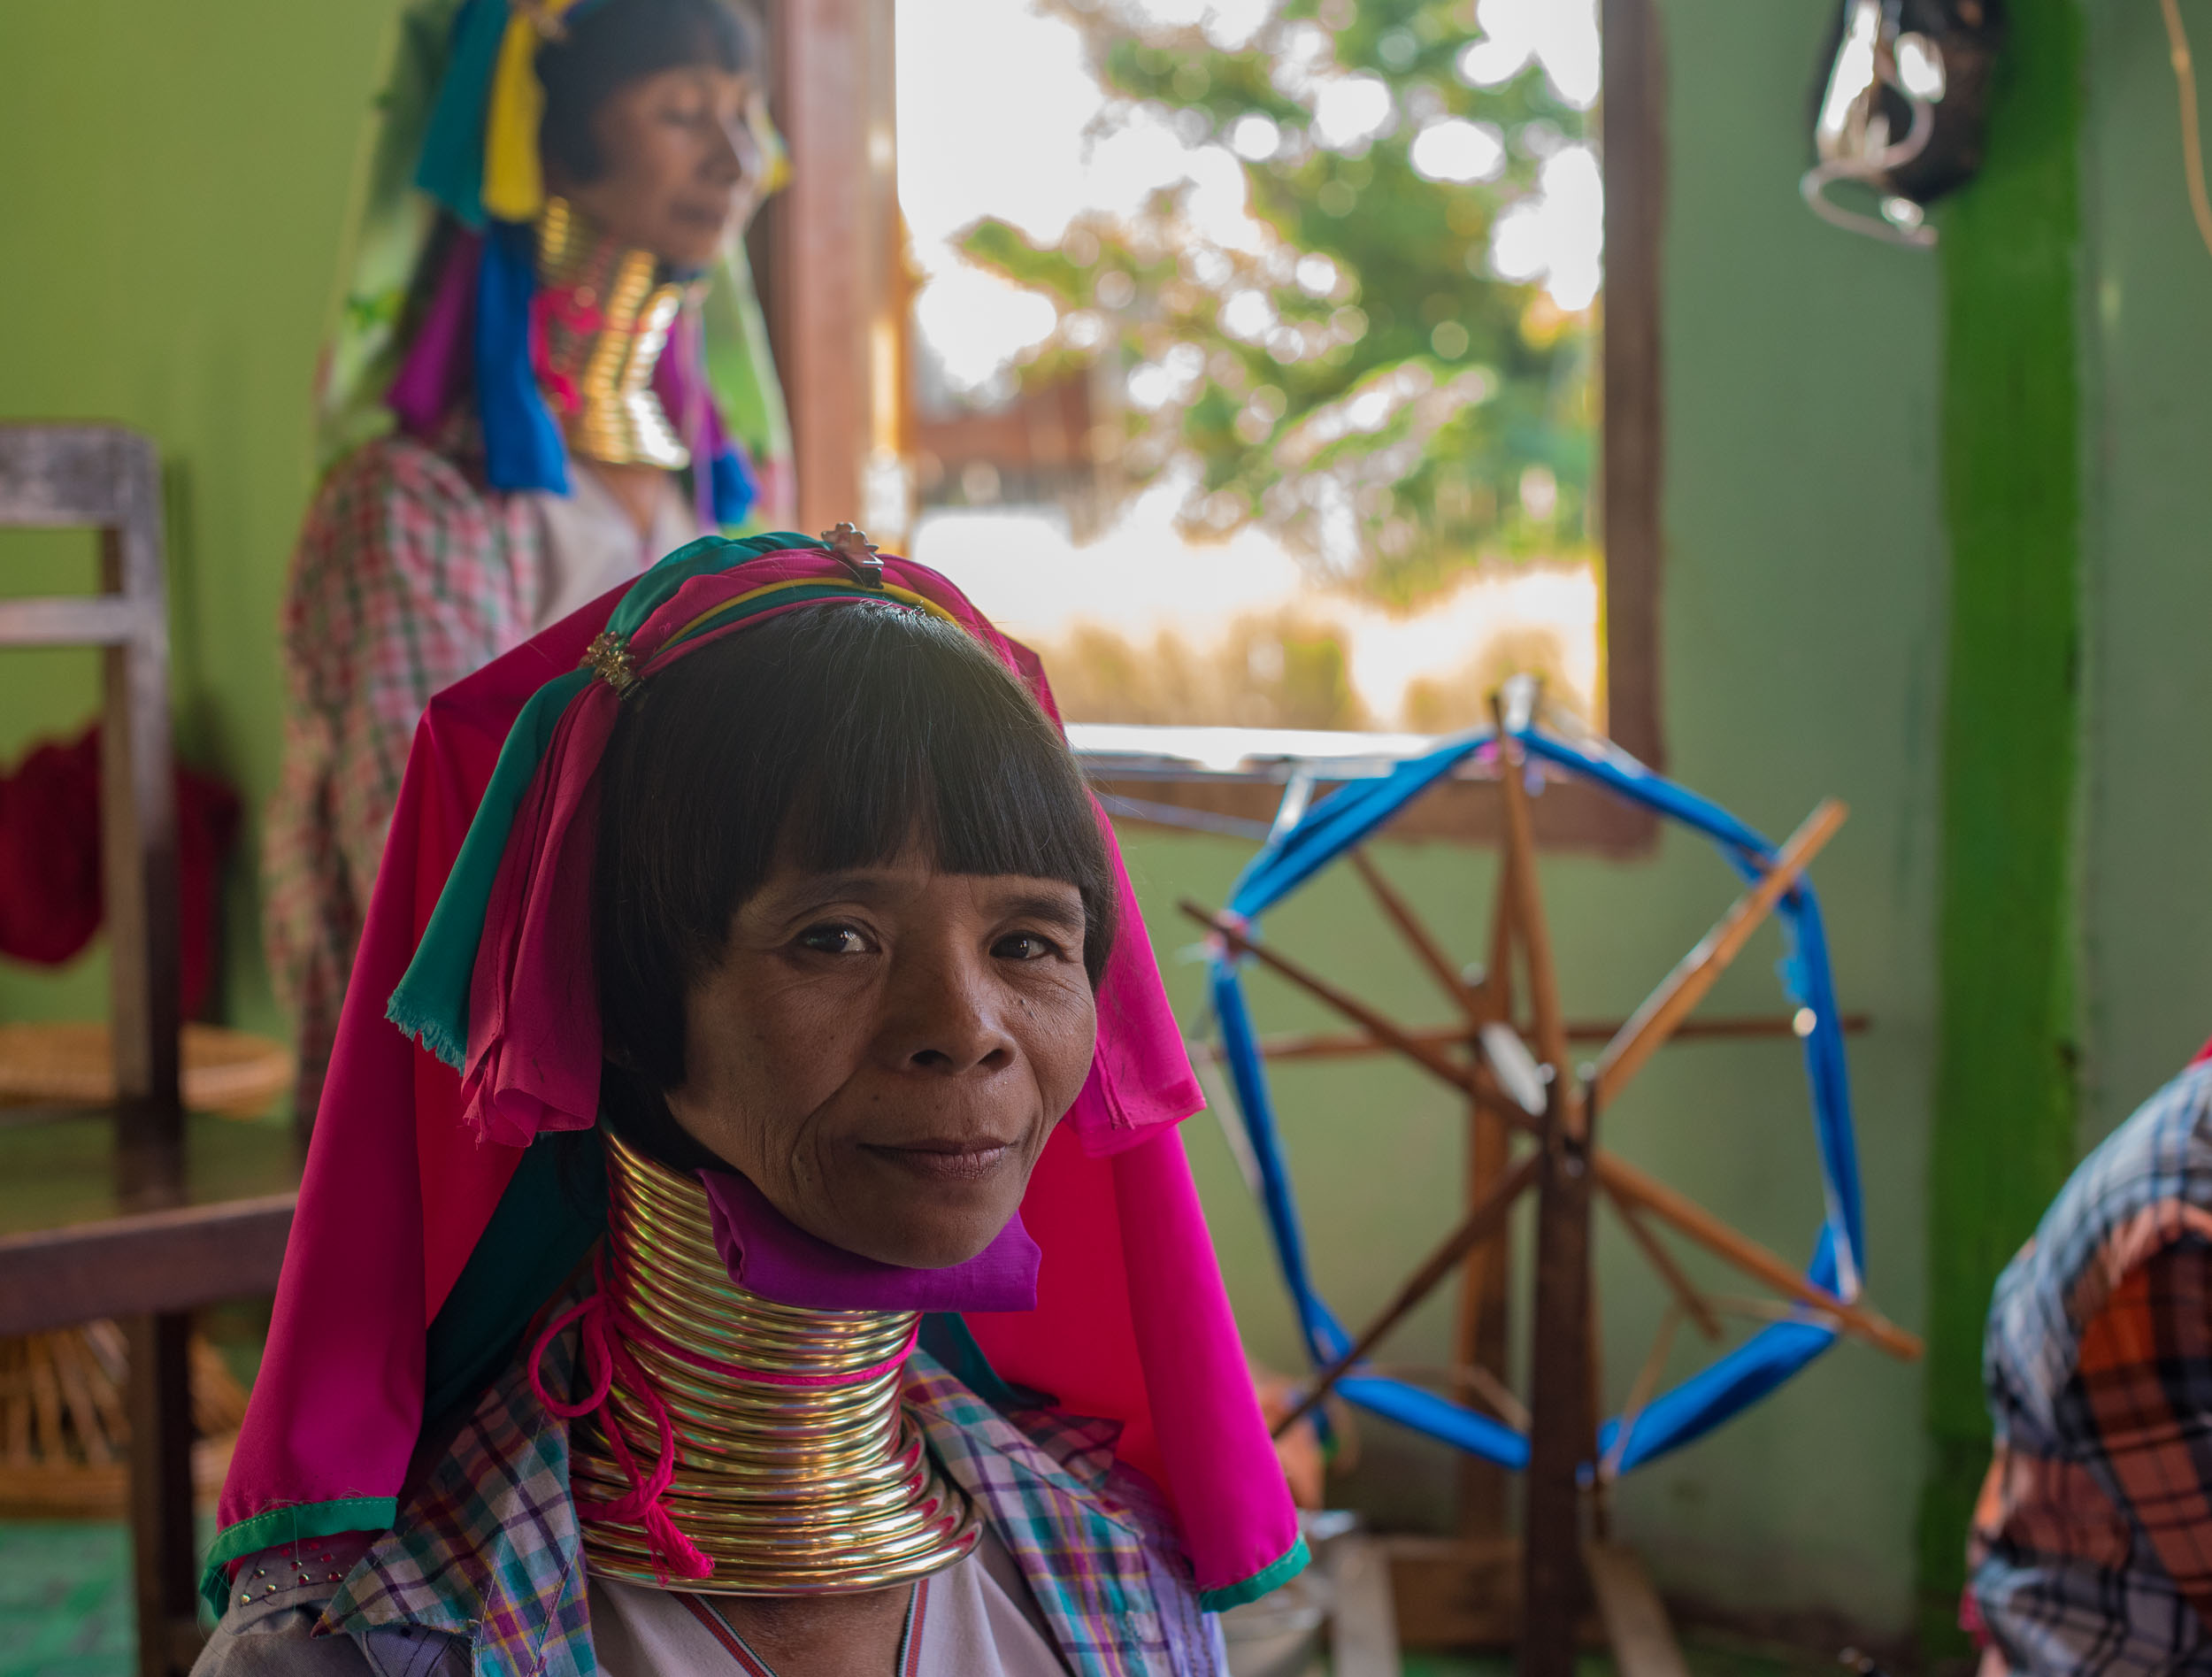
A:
[1254,348]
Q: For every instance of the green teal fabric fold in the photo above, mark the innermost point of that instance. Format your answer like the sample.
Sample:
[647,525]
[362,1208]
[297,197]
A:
[451,169]
[431,1004]
[552,1213]
[1271,1576]
[302,1522]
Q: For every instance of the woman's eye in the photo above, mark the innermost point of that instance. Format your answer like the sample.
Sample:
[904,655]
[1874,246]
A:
[835,940]
[1023,946]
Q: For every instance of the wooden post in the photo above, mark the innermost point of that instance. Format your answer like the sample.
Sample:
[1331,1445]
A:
[108,479]
[138,836]
[160,1402]
[1485,1324]
[1552,1585]
[835,300]
[1632,116]
[138,828]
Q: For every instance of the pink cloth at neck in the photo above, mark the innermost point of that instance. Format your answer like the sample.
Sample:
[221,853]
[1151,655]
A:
[767,1253]
[1131,1323]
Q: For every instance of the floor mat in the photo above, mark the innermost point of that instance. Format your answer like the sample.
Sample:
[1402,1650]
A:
[64,1600]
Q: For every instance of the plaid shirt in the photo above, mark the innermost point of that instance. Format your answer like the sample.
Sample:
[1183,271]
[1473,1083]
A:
[488,1557]
[408,576]
[2092,1548]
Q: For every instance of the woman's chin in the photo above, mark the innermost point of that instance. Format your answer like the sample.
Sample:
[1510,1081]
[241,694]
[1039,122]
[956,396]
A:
[937,1241]
[689,244]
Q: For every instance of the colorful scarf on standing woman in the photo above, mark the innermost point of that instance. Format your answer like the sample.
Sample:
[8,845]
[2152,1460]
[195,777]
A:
[433,1221]
[439,308]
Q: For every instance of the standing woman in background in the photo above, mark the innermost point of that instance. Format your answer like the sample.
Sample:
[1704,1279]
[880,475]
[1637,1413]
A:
[549,370]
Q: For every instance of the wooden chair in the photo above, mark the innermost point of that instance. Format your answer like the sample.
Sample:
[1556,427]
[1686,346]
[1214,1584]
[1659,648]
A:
[159,1240]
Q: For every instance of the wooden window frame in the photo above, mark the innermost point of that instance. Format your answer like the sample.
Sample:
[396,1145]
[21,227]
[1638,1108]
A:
[832,268]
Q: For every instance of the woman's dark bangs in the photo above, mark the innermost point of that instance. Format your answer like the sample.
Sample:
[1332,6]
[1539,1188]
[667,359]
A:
[943,753]
[976,794]
[620,41]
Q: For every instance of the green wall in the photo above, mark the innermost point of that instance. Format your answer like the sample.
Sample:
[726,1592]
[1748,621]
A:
[2146,870]
[172,193]
[2006,1080]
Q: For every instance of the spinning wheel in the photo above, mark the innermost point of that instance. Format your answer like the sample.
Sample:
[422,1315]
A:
[1519,1081]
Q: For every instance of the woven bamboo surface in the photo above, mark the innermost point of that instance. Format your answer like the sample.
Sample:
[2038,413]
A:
[71,1064]
[65,1436]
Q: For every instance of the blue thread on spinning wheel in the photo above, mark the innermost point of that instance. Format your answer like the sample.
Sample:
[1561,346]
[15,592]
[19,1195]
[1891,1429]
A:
[1736,1379]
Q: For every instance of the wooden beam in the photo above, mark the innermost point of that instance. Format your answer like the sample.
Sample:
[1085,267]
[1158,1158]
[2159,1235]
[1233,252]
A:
[1696,973]
[1428,1058]
[138,825]
[159,1396]
[1635,1620]
[1700,1225]
[1561,1430]
[1410,927]
[832,232]
[1482,1337]
[1483,1220]
[1531,932]
[1483,1318]
[1329,1045]
[93,620]
[151,1263]
[1694,1304]
[1631,449]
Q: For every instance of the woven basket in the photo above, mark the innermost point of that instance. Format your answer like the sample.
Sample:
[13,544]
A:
[69,1063]
[65,1434]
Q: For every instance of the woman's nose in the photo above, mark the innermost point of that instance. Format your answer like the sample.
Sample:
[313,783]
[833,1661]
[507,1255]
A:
[944,1015]
[738,156]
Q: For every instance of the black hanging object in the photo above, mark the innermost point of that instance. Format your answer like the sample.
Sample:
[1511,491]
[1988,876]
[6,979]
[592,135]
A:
[1900,109]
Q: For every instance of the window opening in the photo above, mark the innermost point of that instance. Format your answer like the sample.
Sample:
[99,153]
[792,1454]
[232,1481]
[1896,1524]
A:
[1254,353]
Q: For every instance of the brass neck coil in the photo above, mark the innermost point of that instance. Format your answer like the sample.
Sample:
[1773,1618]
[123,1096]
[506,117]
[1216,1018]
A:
[606,312]
[798,1472]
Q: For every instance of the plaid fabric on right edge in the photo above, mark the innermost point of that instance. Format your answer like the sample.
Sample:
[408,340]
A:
[2091,1546]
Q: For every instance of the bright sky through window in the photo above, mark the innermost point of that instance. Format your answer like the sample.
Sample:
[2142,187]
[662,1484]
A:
[1000,115]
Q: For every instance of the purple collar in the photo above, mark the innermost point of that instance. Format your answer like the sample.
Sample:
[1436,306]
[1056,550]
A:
[768,1254]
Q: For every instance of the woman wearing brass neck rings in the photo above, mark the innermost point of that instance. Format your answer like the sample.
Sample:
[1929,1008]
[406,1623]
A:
[782,1212]
[546,373]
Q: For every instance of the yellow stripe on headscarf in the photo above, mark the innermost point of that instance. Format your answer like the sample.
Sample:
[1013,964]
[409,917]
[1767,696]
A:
[514,181]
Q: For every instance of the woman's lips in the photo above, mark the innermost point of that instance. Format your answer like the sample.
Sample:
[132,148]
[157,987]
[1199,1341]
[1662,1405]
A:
[946,1161]
[707,217]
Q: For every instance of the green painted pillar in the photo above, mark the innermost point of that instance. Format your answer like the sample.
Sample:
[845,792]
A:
[2005,1103]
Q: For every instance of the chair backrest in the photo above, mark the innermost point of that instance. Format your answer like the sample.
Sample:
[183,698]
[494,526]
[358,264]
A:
[105,478]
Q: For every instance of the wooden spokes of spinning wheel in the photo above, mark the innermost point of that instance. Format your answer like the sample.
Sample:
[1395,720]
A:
[1514,1089]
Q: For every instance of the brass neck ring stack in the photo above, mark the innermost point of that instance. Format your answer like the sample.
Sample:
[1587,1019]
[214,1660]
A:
[602,315]
[796,1472]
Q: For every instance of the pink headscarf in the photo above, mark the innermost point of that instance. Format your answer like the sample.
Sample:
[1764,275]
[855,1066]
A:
[410,1158]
